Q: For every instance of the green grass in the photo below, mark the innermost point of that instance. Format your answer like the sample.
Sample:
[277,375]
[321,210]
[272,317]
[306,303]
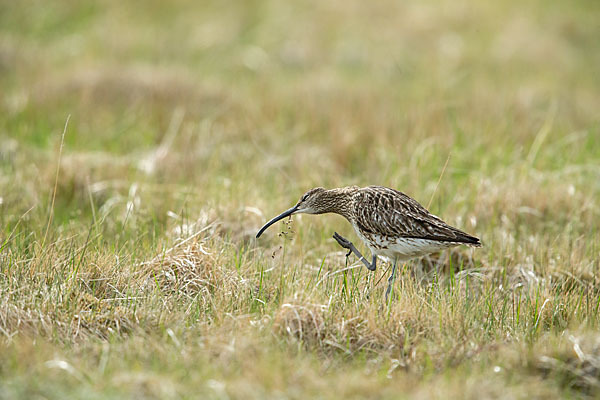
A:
[192,123]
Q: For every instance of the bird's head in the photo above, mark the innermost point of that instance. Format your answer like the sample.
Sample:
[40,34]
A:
[312,202]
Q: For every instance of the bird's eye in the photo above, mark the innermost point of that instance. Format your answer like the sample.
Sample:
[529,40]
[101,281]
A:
[305,197]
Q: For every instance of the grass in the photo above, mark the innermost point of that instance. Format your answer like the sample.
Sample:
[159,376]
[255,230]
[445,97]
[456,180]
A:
[128,264]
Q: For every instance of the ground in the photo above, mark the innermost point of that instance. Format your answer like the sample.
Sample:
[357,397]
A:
[128,263]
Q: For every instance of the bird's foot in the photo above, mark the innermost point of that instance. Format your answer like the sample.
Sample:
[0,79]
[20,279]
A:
[345,243]
[387,293]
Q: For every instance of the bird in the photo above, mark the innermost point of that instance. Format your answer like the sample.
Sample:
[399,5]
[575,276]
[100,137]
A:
[391,224]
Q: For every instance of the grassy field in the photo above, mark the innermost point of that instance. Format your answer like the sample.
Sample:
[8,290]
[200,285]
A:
[128,264]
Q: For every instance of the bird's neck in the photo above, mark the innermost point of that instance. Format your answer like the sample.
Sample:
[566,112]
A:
[339,201]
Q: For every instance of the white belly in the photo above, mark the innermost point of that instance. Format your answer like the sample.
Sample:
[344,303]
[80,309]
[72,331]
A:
[402,248]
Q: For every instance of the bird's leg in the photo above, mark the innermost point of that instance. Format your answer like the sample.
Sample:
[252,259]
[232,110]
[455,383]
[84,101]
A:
[345,243]
[391,281]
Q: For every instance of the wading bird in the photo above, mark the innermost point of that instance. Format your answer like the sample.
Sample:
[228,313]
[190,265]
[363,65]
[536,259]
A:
[391,224]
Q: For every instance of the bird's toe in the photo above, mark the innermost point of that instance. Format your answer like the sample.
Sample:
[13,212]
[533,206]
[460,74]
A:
[345,243]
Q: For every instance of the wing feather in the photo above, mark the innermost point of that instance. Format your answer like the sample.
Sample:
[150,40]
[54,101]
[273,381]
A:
[388,212]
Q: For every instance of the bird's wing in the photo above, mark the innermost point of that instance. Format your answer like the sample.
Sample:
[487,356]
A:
[388,212]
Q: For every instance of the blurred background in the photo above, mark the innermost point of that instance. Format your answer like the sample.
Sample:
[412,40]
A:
[188,116]
[218,107]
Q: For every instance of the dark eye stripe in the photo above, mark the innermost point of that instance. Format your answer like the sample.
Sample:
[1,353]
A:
[304,197]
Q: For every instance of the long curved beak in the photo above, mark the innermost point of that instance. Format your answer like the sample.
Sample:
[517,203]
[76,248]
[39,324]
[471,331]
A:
[277,218]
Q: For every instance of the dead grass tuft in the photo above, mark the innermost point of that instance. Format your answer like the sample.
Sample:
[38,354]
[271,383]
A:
[100,318]
[188,268]
[331,329]
[304,323]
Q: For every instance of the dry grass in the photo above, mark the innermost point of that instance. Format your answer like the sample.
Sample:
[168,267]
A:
[191,124]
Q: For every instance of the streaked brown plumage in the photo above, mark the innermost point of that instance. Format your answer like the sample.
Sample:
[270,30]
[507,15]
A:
[391,224]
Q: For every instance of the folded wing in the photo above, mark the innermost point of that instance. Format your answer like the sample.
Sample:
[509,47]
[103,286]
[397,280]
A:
[388,212]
